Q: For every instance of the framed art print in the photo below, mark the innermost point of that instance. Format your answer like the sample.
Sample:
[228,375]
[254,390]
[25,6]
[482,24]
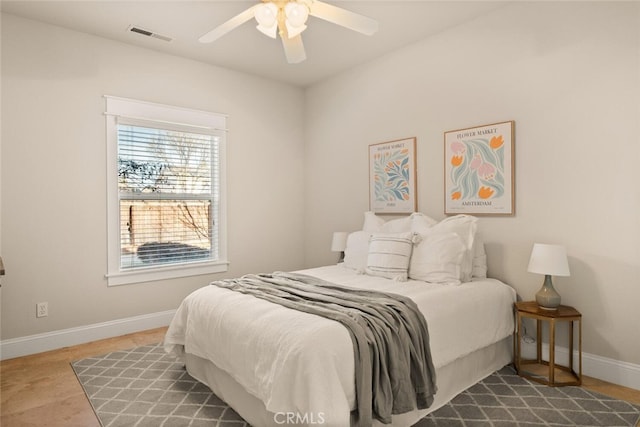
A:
[479,170]
[392,177]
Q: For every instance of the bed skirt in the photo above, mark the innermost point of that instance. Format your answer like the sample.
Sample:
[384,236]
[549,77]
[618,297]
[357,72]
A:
[452,379]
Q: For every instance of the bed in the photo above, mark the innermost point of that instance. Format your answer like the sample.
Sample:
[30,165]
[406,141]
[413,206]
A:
[274,365]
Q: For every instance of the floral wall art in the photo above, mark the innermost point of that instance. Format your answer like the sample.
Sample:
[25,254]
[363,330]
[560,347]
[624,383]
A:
[479,170]
[392,176]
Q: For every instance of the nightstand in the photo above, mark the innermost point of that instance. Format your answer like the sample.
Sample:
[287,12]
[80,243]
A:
[543,371]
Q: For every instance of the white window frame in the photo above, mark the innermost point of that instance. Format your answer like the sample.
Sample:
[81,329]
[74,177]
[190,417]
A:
[170,116]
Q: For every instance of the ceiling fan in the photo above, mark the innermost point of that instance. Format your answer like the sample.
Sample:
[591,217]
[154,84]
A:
[288,19]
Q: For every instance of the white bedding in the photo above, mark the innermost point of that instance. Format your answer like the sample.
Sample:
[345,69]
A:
[299,362]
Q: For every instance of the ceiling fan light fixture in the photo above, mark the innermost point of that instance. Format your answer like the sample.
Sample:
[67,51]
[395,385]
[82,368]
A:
[289,17]
[266,15]
[296,15]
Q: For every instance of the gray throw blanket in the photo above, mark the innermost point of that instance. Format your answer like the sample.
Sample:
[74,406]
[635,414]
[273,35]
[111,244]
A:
[393,368]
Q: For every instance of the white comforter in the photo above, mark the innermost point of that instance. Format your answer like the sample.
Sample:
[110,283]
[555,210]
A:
[299,362]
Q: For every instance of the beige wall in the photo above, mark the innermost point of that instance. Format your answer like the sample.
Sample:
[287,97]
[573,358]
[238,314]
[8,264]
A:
[568,73]
[53,172]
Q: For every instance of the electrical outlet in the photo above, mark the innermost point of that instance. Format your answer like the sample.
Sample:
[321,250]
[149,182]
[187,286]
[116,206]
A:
[42,309]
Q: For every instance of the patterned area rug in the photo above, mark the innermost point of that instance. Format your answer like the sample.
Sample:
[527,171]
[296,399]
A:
[505,399]
[145,387]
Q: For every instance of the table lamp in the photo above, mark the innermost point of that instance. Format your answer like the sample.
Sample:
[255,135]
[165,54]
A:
[550,260]
[339,243]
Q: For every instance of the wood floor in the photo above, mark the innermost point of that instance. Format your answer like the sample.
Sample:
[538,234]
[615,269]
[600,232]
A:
[42,390]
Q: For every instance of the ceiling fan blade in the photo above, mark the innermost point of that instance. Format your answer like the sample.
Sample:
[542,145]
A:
[343,17]
[231,24]
[294,49]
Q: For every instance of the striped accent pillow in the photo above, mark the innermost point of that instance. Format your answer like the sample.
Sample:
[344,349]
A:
[389,255]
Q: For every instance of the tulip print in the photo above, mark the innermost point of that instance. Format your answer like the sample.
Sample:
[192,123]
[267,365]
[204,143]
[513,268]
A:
[496,142]
[485,193]
[487,171]
[457,147]
[478,169]
[479,172]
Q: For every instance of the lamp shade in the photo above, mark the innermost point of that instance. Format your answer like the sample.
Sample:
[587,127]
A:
[339,241]
[549,259]
[267,16]
[297,14]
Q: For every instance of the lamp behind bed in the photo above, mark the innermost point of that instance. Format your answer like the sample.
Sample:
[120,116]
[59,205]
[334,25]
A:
[339,243]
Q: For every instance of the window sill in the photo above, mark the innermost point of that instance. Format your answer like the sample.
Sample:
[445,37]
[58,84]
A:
[162,273]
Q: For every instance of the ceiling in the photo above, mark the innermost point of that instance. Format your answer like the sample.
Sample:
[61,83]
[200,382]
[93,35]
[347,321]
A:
[330,48]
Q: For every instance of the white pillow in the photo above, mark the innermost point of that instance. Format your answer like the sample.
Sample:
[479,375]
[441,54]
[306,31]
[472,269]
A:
[389,255]
[464,226]
[375,224]
[357,250]
[437,258]
[420,222]
[479,264]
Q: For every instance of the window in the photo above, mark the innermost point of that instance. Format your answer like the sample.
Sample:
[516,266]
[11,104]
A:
[165,192]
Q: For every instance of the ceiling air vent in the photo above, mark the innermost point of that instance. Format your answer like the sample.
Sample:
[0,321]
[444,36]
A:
[148,33]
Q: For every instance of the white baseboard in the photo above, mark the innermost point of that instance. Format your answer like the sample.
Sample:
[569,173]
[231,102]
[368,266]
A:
[602,368]
[32,344]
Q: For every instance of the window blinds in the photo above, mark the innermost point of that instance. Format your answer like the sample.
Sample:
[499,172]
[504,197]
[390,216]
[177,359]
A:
[168,190]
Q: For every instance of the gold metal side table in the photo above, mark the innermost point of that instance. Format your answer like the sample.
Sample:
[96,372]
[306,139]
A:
[543,371]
